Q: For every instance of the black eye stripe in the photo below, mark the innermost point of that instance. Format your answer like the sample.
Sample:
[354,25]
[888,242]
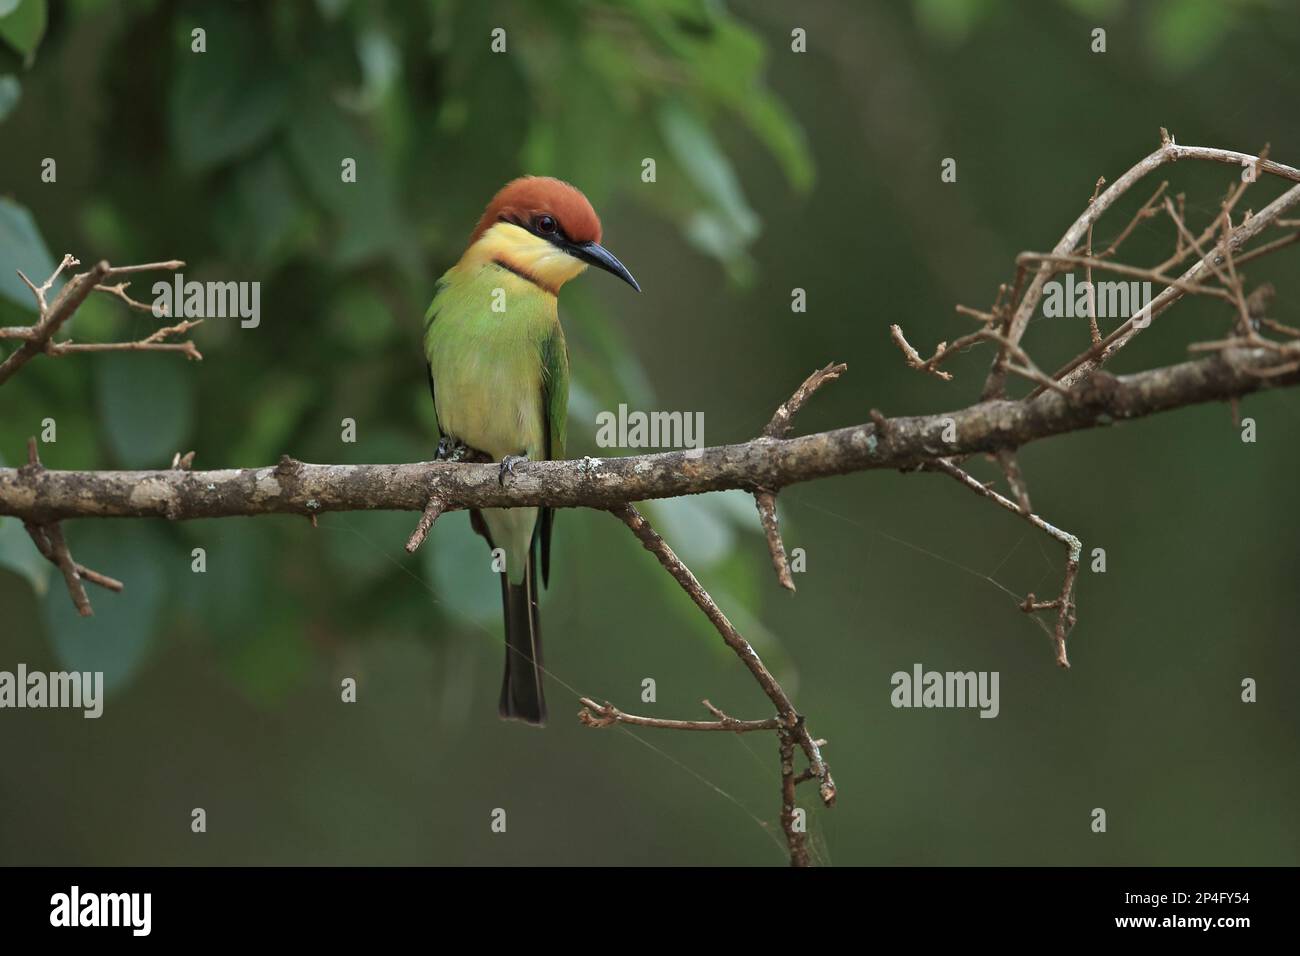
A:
[531,224]
[554,234]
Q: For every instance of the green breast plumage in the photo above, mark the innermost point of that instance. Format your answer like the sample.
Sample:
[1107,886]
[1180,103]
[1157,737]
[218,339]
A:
[486,344]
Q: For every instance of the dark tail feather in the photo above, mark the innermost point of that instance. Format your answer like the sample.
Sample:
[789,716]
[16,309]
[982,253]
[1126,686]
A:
[521,687]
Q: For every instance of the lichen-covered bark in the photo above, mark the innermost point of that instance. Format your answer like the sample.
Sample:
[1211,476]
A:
[39,495]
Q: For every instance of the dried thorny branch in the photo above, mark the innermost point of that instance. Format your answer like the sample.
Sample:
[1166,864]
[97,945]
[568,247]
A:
[432,511]
[765,499]
[1079,395]
[1084,364]
[1218,251]
[49,541]
[789,725]
[904,443]
[38,338]
[1062,604]
[606,715]
[793,729]
[1087,272]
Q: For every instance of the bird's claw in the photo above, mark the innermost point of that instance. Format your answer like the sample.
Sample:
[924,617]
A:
[508,467]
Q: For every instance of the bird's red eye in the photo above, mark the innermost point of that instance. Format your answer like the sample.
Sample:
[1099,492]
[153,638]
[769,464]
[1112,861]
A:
[545,224]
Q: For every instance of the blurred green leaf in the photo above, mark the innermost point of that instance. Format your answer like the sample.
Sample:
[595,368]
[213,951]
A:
[279,406]
[11,92]
[700,528]
[260,212]
[320,138]
[146,405]
[606,368]
[739,507]
[331,9]
[19,554]
[381,63]
[949,21]
[361,320]
[726,59]
[104,225]
[23,26]
[101,318]
[1096,8]
[228,100]
[253,616]
[367,223]
[364,546]
[21,247]
[708,168]
[237,584]
[269,656]
[460,566]
[772,123]
[117,638]
[1185,31]
[722,225]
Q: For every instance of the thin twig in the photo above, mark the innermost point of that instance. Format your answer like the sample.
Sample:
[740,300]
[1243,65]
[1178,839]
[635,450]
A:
[1149,209]
[38,338]
[52,546]
[765,502]
[765,499]
[1087,363]
[1137,272]
[795,838]
[1064,603]
[783,417]
[791,722]
[1087,272]
[1168,152]
[430,514]
[1010,465]
[606,715]
[913,357]
[171,265]
[188,349]
[120,292]
[1268,247]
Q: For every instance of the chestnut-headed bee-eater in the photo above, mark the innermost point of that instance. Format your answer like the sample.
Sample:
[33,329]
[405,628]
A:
[499,374]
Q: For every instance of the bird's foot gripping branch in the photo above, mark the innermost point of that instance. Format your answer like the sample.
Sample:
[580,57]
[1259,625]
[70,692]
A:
[1255,352]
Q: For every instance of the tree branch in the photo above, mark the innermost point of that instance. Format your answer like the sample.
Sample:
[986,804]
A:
[1080,367]
[293,487]
[1169,152]
[606,715]
[38,337]
[791,724]
[765,499]
[49,541]
[1064,603]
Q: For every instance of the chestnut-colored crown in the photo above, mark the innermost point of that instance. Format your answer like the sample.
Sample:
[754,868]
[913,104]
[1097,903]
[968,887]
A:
[520,200]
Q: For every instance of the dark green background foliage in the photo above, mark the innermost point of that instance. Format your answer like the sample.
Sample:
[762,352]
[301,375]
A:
[776,170]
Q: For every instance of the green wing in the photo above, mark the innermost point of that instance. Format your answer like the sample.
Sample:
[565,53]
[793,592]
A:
[555,406]
[429,318]
[555,393]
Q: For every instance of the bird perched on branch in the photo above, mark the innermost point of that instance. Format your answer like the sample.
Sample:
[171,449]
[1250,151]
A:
[499,375]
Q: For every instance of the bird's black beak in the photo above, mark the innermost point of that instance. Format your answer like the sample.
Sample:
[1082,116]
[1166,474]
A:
[597,255]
